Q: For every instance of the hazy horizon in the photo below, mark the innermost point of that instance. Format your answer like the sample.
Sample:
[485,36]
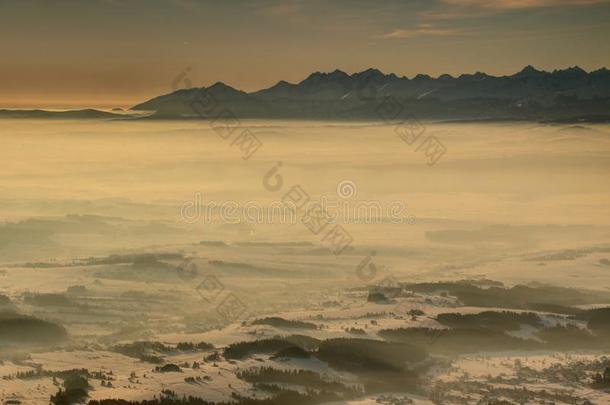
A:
[106,53]
[187,73]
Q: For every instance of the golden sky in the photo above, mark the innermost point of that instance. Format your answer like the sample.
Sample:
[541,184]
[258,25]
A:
[106,53]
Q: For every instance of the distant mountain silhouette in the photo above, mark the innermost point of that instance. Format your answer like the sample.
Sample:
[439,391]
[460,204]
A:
[72,114]
[528,94]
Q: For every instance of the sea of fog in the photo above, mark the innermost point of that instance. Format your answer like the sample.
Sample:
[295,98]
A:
[436,199]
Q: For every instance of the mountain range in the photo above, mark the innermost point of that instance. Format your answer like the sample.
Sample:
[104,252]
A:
[70,114]
[564,94]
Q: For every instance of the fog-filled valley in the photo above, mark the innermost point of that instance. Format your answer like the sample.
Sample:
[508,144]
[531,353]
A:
[338,262]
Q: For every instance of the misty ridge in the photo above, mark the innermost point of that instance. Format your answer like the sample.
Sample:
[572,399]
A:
[563,95]
[568,94]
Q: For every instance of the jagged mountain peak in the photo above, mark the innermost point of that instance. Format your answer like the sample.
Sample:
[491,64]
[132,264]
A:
[336,74]
[422,76]
[474,76]
[574,71]
[369,73]
[283,83]
[330,93]
[220,86]
[529,70]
